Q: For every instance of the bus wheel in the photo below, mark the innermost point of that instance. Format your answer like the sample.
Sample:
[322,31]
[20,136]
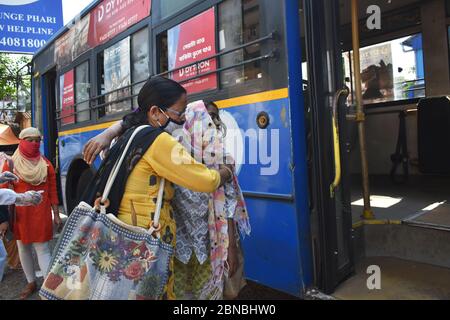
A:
[76,185]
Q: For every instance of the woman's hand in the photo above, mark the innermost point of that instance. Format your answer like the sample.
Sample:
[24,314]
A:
[101,142]
[58,221]
[232,260]
[8,177]
[226,173]
[29,198]
[56,217]
[94,146]
[3,228]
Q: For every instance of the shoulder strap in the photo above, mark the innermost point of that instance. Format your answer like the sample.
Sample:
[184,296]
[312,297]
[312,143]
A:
[113,175]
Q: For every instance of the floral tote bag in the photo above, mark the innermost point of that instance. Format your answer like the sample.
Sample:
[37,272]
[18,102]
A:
[98,257]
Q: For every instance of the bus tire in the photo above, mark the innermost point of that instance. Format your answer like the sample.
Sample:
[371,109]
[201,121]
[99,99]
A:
[77,182]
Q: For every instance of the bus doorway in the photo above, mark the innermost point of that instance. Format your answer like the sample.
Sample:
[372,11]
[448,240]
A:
[325,105]
[50,124]
[402,251]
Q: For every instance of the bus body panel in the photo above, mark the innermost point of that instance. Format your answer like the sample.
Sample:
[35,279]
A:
[71,147]
[272,173]
[271,251]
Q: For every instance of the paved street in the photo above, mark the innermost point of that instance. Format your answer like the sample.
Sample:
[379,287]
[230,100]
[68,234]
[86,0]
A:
[14,281]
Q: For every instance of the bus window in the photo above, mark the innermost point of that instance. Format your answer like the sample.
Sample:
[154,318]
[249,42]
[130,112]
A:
[168,8]
[390,71]
[163,53]
[239,24]
[117,75]
[140,61]
[82,92]
[101,85]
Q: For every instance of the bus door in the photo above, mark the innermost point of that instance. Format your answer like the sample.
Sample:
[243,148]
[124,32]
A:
[331,220]
[49,121]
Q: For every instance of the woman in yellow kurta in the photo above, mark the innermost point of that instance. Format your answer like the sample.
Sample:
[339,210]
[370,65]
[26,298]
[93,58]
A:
[154,154]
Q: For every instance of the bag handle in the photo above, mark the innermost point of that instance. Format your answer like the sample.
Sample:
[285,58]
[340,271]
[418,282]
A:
[154,228]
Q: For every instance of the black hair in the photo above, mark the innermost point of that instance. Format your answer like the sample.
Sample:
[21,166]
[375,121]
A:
[157,91]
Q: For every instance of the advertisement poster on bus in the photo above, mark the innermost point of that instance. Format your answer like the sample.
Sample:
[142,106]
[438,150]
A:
[117,75]
[63,49]
[81,34]
[67,98]
[26,25]
[192,41]
[111,17]
[377,73]
[73,43]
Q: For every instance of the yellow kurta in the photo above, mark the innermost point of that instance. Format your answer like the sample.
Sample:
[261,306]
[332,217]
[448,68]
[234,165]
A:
[168,159]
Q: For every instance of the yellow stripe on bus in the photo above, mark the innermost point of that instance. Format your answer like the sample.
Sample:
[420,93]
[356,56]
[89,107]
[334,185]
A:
[254,98]
[87,129]
[223,104]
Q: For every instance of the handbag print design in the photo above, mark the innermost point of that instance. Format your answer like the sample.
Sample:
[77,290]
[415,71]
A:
[98,257]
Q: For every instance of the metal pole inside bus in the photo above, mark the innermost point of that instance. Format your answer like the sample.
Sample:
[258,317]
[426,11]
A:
[360,114]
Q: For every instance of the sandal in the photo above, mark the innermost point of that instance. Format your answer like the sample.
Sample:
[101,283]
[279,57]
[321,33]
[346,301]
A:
[28,291]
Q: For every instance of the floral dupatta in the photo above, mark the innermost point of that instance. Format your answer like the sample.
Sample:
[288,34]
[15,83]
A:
[206,144]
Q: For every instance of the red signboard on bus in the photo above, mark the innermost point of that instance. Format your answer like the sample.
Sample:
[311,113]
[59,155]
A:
[192,41]
[111,17]
[68,98]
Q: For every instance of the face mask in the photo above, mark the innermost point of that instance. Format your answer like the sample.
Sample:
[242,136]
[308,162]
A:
[171,126]
[29,149]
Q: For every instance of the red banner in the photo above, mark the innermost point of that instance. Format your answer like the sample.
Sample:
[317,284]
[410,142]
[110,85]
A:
[192,41]
[68,98]
[112,17]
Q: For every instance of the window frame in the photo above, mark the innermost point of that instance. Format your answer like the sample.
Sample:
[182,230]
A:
[36,103]
[248,87]
[134,84]
[380,40]
[146,23]
[90,91]
[118,89]
[156,7]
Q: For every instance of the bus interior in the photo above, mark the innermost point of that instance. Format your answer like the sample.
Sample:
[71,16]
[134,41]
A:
[405,78]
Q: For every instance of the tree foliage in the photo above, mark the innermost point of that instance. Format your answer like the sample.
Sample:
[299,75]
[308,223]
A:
[13,73]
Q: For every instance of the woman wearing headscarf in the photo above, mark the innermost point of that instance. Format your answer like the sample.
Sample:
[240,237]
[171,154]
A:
[33,227]
[206,234]
[207,224]
[154,154]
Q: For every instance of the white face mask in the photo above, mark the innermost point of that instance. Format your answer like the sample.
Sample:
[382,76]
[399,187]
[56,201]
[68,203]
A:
[172,127]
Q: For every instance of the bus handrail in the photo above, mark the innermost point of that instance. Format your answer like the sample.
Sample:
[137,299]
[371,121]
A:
[272,54]
[272,35]
[267,56]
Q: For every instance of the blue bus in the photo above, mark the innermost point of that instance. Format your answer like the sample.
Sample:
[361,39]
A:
[277,70]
